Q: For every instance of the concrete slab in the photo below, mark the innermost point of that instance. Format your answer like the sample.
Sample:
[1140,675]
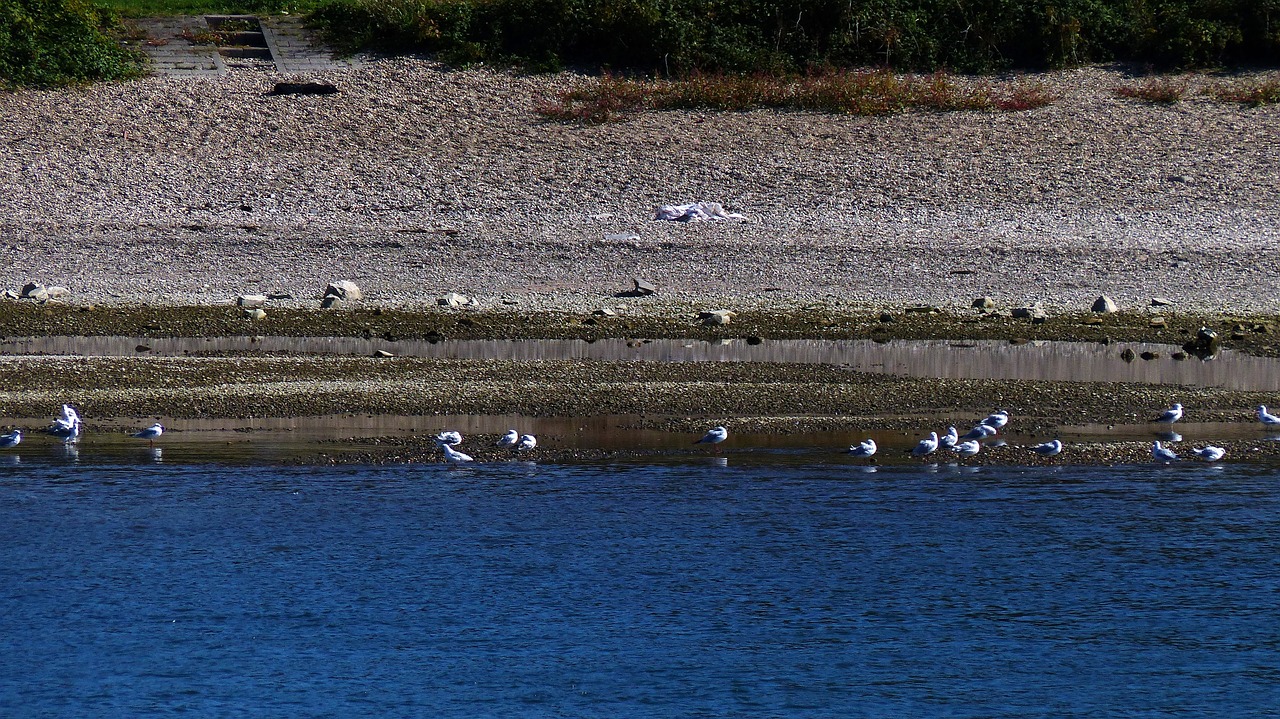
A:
[171,48]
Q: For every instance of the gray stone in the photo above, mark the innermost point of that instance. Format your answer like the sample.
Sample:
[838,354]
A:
[330,301]
[256,313]
[453,299]
[382,353]
[10,295]
[344,289]
[30,288]
[1161,302]
[984,303]
[645,287]
[1034,312]
[251,300]
[717,317]
[604,312]
[622,236]
[56,292]
[1104,304]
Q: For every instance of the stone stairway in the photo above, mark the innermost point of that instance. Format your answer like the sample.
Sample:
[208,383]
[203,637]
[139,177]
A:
[215,44]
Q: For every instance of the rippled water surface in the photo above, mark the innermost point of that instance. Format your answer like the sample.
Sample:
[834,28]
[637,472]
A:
[635,590]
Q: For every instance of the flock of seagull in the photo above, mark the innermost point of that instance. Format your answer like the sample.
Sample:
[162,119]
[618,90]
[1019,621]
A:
[68,427]
[968,444]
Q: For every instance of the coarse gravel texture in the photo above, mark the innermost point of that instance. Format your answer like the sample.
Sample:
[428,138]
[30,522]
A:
[416,180]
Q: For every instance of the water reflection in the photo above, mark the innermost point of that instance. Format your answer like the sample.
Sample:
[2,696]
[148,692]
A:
[1169,436]
[156,454]
[10,459]
[989,359]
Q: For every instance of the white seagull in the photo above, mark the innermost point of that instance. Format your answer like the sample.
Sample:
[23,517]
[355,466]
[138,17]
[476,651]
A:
[1162,454]
[1210,453]
[980,431]
[714,437]
[1266,417]
[1171,415]
[11,440]
[150,433]
[527,441]
[997,419]
[926,446]
[453,455]
[1049,449]
[454,438]
[864,449]
[949,439]
[509,439]
[967,449]
[67,426]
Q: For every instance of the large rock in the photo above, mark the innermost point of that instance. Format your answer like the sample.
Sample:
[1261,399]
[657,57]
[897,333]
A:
[453,299]
[717,317]
[1104,304]
[55,292]
[34,291]
[644,287]
[251,300]
[984,303]
[344,290]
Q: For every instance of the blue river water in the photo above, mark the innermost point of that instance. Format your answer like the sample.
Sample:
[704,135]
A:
[676,590]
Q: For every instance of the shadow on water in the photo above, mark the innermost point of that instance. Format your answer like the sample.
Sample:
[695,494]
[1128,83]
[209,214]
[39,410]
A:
[1057,361]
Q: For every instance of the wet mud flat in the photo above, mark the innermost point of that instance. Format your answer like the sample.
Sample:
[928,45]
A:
[644,318]
[808,381]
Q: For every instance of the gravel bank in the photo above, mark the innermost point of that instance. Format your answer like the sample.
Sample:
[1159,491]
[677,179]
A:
[414,181]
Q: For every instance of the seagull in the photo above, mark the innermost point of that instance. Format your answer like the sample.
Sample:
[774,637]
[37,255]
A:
[714,436]
[967,449]
[509,439]
[997,419]
[1266,417]
[926,446]
[67,426]
[949,439]
[11,440]
[1171,415]
[150,433]
[454,438]
[451,454]
[1210,453]
[527,441]
[1161,454]
[980,431]
[864,449]
[1049,449]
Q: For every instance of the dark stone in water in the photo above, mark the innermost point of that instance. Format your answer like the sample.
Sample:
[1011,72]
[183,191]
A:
[1128,355]
[1149,355]
[753,340]
[1206,343]
[303,88]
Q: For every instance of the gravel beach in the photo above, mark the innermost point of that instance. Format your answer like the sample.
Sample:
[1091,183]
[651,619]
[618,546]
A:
[414,181]
[156,202]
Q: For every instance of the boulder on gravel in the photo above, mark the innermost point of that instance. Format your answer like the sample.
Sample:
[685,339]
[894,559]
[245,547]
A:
[251,300]
[453,299]
[717,317]
[344,290]
[1104,304]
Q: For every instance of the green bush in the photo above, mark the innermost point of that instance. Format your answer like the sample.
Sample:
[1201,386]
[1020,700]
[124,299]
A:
[47,43]
[677,37]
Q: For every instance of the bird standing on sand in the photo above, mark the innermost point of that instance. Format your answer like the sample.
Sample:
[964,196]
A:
[1266,417]
[1210,453]
[967,449]
[714,437]
[453,455]
[1162,454]
[926,446]
[150,433]
[997,419]
[13,439]
[527,442]
[509,439]
[1171,415]
[1048,449]
[864,449]
[981,431]
[949,439]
